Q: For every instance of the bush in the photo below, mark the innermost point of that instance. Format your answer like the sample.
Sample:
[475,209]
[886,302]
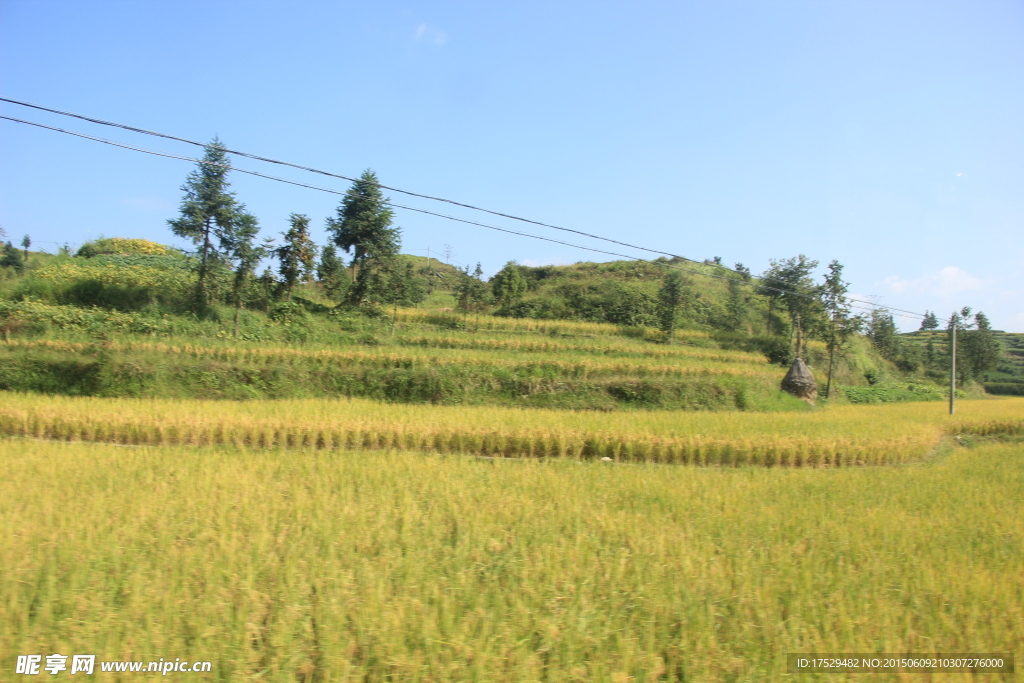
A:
[123,245]
[1005,388]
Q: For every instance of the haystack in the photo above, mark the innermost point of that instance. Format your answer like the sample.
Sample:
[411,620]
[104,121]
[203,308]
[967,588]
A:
[800,382]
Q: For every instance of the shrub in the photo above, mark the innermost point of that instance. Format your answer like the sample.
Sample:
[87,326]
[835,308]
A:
[124,245]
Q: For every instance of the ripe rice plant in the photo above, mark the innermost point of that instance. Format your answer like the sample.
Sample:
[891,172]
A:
[383,566]
[855,435]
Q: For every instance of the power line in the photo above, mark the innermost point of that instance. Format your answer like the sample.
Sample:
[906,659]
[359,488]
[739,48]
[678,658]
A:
[789,289]
[445,216]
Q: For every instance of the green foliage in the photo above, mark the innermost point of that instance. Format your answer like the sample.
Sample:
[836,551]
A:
[297,255]
[788,283]
[123,246]
[12,259]
[842,325]
[401,286]
[122,282]
[894,392]
[930,322]
[881,330]
[470,290]
[39,316]
[363,227]
[508,284]
[209,212]
[331,274]
[978,349]
[670,297]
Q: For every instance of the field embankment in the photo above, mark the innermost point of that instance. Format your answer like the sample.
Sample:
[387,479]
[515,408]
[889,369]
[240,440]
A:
[571,365]
[374,566]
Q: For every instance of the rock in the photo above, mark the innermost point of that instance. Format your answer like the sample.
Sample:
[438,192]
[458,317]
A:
[800,382]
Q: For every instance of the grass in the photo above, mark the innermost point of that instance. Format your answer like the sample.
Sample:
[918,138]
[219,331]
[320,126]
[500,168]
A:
[374,566]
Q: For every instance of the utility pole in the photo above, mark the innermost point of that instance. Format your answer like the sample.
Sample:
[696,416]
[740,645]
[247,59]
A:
[952,368]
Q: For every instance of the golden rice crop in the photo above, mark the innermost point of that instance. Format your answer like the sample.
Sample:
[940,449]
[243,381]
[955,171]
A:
[855,435]
[386,566]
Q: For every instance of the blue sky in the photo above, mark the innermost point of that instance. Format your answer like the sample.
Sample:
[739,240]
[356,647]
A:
[887,135]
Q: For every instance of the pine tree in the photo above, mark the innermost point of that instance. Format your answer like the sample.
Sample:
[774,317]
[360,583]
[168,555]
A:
[26,242]
[842,325]
[12,259]
[670,298]
[363,227]
[297,255]
[401,287]
[330,272]
[246,255]
[978,349]
[470,292]
[508,284]
[930,322]
[210,215]
[882,333]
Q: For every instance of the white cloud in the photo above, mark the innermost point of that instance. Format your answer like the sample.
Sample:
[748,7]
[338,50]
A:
[428,34]
[948,281]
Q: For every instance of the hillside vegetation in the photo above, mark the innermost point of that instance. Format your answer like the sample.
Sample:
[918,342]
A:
[114,320]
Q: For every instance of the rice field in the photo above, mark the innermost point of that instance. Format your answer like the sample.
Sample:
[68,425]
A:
[326,565]
[568,363]
[835,437]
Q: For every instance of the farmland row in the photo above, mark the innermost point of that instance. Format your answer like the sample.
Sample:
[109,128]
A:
[373,357]
[534,346]
[165,423]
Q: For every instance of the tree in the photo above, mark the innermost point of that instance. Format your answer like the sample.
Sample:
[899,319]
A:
[12,259]
[470,291]
[882,333]
[209,213]
[330,272]
[363,227]
[401,287]
[246,256]
[842,325]
[788,282]
[930,322]
[735,306]
[26,242]
[508,284]
[670,298]
[978,349]
[297,255]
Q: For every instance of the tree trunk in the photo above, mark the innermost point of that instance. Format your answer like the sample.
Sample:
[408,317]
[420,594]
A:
[203,257]
[831,357]
[799,337]
[238,311]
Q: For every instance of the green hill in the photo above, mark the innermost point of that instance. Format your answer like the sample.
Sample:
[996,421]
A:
[114,320]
